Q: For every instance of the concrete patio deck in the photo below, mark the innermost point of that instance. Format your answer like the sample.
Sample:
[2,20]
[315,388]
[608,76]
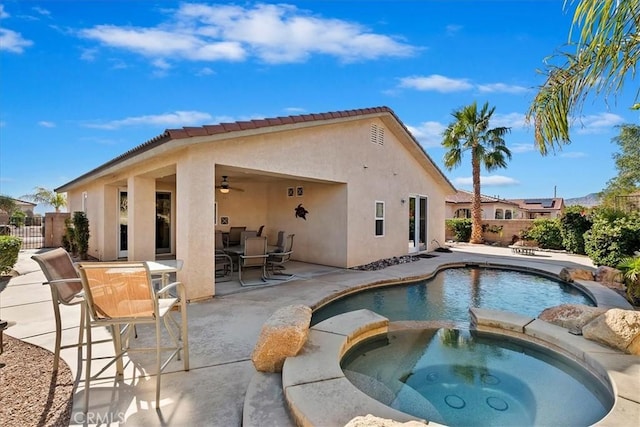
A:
[222,334]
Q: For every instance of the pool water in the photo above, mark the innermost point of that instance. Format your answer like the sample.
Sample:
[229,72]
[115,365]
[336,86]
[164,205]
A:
[450,293]
[467,378]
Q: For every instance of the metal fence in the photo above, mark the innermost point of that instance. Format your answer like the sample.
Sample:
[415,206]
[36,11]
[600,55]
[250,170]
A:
[31,233]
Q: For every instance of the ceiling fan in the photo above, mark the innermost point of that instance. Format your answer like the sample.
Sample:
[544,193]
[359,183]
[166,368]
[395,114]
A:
[225,187]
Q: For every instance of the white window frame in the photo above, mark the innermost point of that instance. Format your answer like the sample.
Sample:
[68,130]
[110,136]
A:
[85,195]
[378,218]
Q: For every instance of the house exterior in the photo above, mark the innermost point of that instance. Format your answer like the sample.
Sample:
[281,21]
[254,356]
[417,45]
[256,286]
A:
[459,206]
[22,205]
[370,189]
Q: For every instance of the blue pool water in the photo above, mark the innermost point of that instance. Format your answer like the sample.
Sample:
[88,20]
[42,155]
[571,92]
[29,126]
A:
[466,378]
[450,293]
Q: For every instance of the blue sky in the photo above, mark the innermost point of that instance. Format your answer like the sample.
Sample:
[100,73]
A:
[82,82]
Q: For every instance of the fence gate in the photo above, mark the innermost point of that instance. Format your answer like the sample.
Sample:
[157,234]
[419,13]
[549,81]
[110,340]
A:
[31,233]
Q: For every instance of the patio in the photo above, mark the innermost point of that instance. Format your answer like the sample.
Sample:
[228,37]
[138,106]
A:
[222,334]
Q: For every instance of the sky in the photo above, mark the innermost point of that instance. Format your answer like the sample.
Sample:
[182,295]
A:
[82,82]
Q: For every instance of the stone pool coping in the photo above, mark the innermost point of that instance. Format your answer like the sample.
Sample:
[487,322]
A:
[317,392]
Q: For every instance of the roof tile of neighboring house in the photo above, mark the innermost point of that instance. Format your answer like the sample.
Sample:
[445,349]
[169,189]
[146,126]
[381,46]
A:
[462,196]
[221,128]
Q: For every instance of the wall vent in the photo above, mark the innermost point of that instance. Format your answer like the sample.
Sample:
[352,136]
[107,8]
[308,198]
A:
[377,134]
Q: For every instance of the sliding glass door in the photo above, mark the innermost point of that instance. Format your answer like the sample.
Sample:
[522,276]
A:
[417,223]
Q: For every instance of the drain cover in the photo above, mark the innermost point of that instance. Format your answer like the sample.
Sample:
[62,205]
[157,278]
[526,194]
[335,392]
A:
[454,401]
[497,403]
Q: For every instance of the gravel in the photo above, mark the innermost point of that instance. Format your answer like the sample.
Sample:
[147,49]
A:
[30,393]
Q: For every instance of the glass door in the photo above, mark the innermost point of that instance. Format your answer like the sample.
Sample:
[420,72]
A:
[163,223]
[124,216]
[417,223]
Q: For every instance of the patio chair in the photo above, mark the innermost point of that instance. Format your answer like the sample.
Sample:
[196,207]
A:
[276,260]
[234,236]
[66,289]
[223,261]
[122,293]
[245,234]
[260,229]
[254,256]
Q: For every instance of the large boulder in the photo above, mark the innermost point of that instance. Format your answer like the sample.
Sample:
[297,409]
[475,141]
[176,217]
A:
[607,274]
[572,274]
[373,421]
[283,335]
[571,316]
[616,328]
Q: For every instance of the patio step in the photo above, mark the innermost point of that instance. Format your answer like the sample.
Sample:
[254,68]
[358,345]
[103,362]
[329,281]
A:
[264,403]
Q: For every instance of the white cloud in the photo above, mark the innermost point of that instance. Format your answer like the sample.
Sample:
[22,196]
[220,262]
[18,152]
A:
[596,123]
[522,148]
[274,33]
[295,110]
[41,11]
[453,29]
[501,88]
[439,83]
[429,134]
[511,120]
[3,13]
[436,83]
[12,41]
[88,54]
[177,118]
[46,124]
[206,71]
[489,181]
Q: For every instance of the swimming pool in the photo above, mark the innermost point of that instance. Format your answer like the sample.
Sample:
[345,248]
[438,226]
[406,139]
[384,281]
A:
[450,293]
[461,378]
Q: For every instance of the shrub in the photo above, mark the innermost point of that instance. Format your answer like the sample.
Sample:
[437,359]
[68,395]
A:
[614,236]
[17,218]
[630,268]
[9,250]
[546,232]
[81,233]
[461,228]
[69,237]
[573,224]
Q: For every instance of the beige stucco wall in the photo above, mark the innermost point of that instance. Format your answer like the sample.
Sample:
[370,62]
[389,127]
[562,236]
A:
[339,229]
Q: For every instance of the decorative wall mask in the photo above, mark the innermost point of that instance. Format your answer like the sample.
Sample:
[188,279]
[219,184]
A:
[301,212]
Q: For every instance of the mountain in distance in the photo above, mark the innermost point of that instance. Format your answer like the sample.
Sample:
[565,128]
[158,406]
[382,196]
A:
[588,201]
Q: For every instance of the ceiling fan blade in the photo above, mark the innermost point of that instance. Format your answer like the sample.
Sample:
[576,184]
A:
[236,189]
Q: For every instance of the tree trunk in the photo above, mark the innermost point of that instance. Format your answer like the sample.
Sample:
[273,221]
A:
[476,207]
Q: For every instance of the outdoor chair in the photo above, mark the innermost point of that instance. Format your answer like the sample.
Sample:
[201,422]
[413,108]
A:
[66,289]
[122,293]
[260,229]
[254,256]
[245,234]
[233,238]
[276,260]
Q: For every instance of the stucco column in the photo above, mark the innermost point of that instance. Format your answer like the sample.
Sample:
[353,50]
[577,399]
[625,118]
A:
[141,197]
[195,186]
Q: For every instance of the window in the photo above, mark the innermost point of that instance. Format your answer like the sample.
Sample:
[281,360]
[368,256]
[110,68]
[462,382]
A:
[507,214]
[377,134]
[463,213]
[85,195]
[498,213]
[379,218]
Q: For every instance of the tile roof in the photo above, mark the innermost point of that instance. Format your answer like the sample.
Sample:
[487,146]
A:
[222,128]
[463,196]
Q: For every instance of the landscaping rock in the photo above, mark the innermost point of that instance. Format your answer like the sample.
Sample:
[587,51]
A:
[373,421]
[607,274]
[617,328]
[572,274]
[283,335]
[571,316]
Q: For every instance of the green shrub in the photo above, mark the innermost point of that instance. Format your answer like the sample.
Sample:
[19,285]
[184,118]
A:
[613,237]
[17,218]
[81,233]
[9,250]
[69,237]
[546,232]
[630,268]
[573,224]
[461,228]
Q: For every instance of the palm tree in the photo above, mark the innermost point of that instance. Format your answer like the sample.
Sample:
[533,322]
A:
[7,204]
[606,52]
[470,131]
[47,197]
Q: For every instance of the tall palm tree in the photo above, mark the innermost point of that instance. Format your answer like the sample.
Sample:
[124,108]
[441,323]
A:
[470,131]
[603,56]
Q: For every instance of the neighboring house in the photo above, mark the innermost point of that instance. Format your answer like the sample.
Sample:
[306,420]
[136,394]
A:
[370,189]
[541,208]
[459,206]
[22,205]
